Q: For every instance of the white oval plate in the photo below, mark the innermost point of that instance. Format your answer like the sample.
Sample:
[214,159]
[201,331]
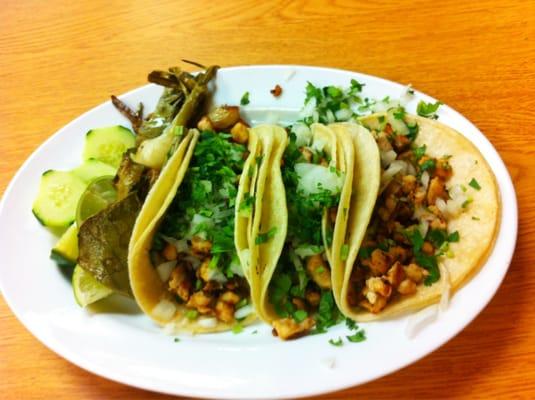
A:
[123,345]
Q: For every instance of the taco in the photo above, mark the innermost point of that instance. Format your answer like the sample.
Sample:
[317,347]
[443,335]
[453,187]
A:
[423,217]
[189,270]
[310,191]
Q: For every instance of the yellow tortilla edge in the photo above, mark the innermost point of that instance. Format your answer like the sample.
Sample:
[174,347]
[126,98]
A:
[471,252]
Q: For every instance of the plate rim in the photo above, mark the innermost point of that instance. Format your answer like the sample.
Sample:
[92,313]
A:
[505,186]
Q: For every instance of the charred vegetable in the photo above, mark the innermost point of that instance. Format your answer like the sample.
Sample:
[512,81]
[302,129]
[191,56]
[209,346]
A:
[104,238]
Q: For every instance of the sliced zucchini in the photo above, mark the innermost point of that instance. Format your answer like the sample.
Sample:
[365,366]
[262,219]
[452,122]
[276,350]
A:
[59,192]
[86,288]
[92,169]
[108,144]
[65,252]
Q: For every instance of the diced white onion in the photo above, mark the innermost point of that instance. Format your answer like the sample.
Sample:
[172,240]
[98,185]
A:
[164,270]
[197,220]
[330,116]
[216,275]
[425,179]
[343,114]
[244,311]
[410,169]
[423,227]
[441,205]
[194,261]
[406,96]
[445,288]
[289,75]
[394,168]
[209,322]
[318,145]
[397,125]
[329,362]
[313,176]
[387,157]
[165,310]
[308,109]
[308,250]
[181,245]
[235,267]
[417,322]
[303,134]
[223,214]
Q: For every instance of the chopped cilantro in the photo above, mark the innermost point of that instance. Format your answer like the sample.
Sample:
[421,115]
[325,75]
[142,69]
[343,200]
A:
[176,340]
[237,328]
[242,303]
[352,325]
[357,337]
[365,252]
[429,164]
[338,342]
[246,205]
[416,239]
[419,152]
[344,251]
[254,332]
[475,218]
[192,314]
[413,130]
[428,110]
[467,202]
[437,237]
[453,237]
[399,113]
[474,184]
[356,86]
[300,315]
[430,264]
[245,99]
[266,237]
[204,201]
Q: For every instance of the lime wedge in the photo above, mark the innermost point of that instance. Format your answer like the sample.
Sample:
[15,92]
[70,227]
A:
[99,194]
[87,289]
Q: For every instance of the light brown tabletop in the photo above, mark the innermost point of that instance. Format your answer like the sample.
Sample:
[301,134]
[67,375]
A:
[61,58]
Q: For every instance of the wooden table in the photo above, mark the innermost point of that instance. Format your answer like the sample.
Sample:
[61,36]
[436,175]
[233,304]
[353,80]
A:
[60,58]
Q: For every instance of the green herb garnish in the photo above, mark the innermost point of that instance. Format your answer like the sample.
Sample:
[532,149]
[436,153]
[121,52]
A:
[338,342]
[474,184]
[344,251]
[266,237]
[245,99]
[300,315]
[357,337]
[192,314]
[428,110]
[237,328]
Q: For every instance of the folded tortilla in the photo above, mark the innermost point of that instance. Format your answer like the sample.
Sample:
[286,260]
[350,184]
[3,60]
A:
[149,291]
[477,225]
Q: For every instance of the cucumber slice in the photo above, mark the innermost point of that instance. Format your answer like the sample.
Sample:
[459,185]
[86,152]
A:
[59,192]
[108,144]
[86,288]
[100,193]
[92,169]
[65,251]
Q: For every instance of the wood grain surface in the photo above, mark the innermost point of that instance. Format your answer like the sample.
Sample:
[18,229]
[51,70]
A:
[61,58]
